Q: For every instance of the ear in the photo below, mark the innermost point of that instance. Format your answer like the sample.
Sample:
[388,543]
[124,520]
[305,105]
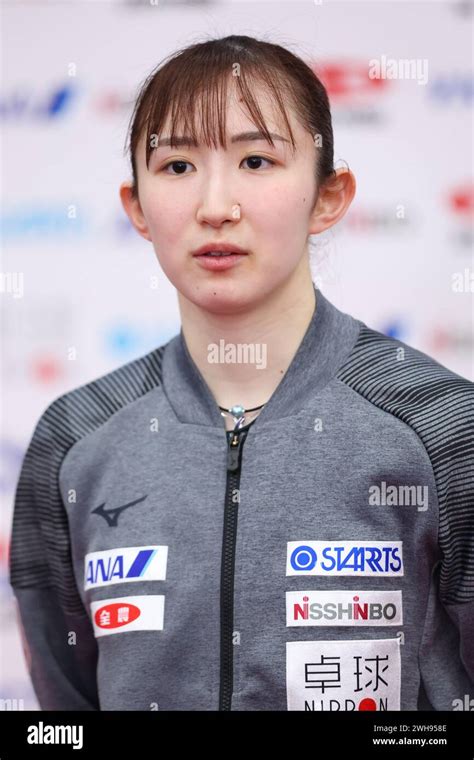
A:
[133,210]
[334,198]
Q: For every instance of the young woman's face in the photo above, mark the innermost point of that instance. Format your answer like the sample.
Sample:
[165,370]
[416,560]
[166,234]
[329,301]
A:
[192,196]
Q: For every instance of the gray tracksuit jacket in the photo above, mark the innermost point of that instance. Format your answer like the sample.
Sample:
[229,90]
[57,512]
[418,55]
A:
[322,558]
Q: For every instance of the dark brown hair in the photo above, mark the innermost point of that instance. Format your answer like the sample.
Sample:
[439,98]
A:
[199,74]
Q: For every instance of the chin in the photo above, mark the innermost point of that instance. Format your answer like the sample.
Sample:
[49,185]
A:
[222,297]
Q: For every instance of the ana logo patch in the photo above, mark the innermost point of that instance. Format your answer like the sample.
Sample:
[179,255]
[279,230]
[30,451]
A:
[343,675]
[128,613]
[125,565]
[355,608]
[382,558]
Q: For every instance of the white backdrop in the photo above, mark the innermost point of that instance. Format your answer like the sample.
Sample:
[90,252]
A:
[401,259]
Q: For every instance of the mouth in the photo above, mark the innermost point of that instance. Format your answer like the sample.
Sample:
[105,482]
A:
[219,257]
[218,250]
[220,253]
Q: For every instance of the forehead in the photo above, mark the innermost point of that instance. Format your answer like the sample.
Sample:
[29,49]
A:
[238,119]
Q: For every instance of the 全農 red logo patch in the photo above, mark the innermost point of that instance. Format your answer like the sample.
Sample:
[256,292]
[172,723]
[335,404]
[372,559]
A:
[116,615]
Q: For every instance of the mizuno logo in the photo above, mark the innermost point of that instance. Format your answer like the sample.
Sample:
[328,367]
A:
[111,516]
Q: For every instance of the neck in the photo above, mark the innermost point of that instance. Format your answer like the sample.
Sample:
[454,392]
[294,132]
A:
[269,335]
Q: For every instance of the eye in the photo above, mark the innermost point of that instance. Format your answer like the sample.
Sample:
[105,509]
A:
[175,163]
[259,158]
[182,164]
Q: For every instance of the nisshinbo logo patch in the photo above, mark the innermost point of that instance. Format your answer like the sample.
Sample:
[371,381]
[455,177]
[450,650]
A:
[125,565]
[354,608]
[382,558]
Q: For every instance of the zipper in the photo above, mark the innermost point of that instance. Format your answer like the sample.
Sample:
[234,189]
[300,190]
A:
[235,439]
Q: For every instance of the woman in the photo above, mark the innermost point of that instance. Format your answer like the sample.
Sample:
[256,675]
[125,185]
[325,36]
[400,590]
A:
[322,559]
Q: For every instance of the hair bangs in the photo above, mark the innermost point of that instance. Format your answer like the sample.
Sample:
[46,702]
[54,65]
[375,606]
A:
[198,110]
[187,95]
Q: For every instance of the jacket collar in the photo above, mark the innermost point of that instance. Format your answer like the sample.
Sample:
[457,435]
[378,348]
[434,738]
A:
[325,345]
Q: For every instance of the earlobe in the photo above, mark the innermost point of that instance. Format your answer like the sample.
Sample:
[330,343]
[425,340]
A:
[335,197]
[132,208]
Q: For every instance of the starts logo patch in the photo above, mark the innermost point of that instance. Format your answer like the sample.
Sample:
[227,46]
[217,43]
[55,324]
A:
[125,565]
[382,558]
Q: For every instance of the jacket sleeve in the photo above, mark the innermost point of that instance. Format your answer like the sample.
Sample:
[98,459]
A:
[456,533]
[456,591]
[447,652]
[56,633]
[462,615]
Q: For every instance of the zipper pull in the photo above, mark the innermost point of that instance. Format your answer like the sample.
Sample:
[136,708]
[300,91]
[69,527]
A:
[234,450]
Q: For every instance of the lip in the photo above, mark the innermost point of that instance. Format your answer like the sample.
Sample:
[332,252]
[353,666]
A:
[225,247]
[219,263]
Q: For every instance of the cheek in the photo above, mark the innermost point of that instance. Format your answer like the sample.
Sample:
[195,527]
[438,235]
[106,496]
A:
[282,213]
[166,219]
[286,200]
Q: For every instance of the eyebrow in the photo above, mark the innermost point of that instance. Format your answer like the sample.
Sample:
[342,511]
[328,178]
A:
[242,137]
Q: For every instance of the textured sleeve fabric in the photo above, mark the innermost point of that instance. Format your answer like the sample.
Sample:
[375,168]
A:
[57,636]
[454,466]
[456,534]
[439,406]
[462,616]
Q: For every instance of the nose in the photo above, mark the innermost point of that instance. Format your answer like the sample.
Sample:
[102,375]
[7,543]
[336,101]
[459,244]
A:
[218,203]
